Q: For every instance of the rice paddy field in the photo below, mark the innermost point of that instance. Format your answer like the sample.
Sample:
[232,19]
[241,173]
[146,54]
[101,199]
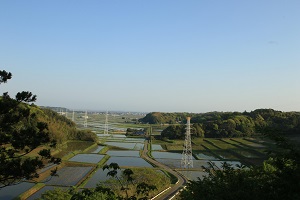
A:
[84,160]
[246,151]
[69,176]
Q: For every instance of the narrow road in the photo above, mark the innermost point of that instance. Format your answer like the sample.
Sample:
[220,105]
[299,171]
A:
[175,188]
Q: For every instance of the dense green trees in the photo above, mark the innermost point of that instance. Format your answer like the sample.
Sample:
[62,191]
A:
[20,133]
[278,178]
[164,118]
[173,132]
[178,131]
[135,132]
[229,124]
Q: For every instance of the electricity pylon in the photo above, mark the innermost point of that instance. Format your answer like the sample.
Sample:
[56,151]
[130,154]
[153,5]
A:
[85,119]
[106,124]
[187,156]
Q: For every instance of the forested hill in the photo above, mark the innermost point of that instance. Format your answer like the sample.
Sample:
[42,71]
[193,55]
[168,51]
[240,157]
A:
[227,124]
[60,128]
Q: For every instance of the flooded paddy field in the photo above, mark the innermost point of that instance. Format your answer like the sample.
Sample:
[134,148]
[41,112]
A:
[127,153]
[126,145]
[245,153]
[139,140]
[169,155]
[129,161]
[38,194]
[156,147]
[12,192]
[87,158]
[233,151]
[197,164]
[68,176]
[204,155]
[243,149]
[98,176]
[97,149]
[225,155]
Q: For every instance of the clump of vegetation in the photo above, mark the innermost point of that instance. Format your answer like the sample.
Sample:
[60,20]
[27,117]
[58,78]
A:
[97,193]
[278,178]
[135,132]
[127,186]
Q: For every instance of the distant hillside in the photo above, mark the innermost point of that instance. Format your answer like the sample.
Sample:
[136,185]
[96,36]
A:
[228,124]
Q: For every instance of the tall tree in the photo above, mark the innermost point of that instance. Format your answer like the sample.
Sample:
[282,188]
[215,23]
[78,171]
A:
[20,133]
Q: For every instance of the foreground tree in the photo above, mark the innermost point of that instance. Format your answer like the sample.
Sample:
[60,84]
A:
[98,193]
[142,189]
[20,133]
[124,187]
[278,178]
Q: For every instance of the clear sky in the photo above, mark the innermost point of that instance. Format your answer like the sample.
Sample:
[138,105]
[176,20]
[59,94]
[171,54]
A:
[158,55]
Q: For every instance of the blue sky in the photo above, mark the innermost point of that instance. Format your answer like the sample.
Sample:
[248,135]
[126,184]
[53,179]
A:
[169,56]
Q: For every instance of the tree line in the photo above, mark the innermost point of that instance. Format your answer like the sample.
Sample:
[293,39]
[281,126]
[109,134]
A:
[226,124]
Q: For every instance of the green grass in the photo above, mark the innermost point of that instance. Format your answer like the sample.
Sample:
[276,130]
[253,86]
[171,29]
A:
[197,141]
[221,144]
[104,150]
[210,145]
[90,147]
[74,146]
[172,147]
[103,161]
[70,155]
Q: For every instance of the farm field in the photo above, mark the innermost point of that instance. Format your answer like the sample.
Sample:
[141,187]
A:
[248,151]
[86,158]
[69,176]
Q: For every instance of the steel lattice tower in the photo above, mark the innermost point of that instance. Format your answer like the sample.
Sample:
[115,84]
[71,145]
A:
[85,119]
[106,124]
[187,157]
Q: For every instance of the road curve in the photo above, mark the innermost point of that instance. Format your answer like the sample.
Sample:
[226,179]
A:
[175,188]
